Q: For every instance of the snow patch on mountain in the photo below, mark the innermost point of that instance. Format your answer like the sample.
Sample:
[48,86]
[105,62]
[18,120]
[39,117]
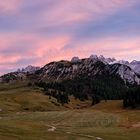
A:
[126,73]
[92,66]
[135,65]
[30,69]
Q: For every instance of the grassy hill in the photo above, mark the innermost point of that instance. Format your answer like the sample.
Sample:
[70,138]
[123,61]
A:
[27,114]
[19,98]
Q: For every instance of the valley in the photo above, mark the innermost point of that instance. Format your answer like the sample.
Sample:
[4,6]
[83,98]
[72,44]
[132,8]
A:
[26,113]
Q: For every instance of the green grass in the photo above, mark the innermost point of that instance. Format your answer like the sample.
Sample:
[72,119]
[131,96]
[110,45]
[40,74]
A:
[27,114]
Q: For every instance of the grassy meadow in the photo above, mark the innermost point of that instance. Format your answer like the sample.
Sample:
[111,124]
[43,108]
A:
[27,114]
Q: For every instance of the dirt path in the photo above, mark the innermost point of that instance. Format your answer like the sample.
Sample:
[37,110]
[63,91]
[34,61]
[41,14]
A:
[53,128]
[83,135]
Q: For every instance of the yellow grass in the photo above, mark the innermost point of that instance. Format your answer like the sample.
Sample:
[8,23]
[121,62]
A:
[27,114]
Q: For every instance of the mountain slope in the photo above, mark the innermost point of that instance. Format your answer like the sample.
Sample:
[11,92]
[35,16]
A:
[126,73]
[59,71]
[90,67]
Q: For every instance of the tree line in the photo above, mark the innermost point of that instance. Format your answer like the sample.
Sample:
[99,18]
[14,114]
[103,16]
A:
[132,97]
[85,88]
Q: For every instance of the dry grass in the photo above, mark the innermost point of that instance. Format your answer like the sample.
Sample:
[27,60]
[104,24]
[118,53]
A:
[27,114]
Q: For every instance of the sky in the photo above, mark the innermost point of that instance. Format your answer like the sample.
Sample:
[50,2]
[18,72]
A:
[35,32]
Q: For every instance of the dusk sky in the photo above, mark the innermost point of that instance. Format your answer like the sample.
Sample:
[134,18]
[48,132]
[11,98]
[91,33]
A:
[39,31]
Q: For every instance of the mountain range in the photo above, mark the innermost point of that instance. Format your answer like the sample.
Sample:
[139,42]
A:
[93,67]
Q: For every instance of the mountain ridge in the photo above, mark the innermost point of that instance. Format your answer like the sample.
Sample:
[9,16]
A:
[92,67]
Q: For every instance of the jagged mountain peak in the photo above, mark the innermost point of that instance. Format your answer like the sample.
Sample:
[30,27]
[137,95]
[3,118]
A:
[88,67]
[75,59]
[126,73]
[103,59]
[29,68]
[93,66]
[135,65]
[135,62]
[93,56]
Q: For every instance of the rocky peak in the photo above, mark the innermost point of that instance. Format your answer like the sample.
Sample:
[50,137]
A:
[126,73]
[92,67]
[29,69]
[134,62]
[75,59]
[88,67]
[93,56]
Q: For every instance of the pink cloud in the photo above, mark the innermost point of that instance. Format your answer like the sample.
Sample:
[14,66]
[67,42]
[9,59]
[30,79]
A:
[122,48]
[43,49]
[73,11]
[51,49]
[8,6]
[40,49]
[10,59]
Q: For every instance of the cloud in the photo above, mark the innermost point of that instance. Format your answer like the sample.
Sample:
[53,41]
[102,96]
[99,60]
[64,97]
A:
[8,6]
[48,14]
[22,50]
[121,48]
[39,31]
[76,11]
